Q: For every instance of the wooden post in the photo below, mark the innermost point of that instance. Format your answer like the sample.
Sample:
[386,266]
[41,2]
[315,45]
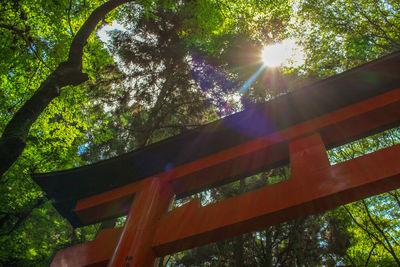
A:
[135,245]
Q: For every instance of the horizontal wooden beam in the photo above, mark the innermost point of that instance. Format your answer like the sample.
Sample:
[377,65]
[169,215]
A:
[314,186]
[334,128]
[94,253]
[106,205]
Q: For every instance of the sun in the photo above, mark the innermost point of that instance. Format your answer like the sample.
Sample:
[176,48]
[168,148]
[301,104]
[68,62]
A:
[275,55]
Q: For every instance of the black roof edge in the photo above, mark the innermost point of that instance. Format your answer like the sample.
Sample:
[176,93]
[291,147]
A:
[64,201]
[213,123]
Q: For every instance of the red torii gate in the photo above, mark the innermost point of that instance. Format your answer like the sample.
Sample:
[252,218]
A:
[295,128]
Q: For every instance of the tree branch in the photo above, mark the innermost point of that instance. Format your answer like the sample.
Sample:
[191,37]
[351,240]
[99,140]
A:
[395,197]
[179,126]
[369,255]
[370,235]
[69,18]
[166,263]
[22,33]
[79,41]
[350,259]
[391,251]
[13,139]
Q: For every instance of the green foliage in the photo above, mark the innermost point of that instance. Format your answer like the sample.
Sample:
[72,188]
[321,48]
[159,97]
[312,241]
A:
[338,35]
[154,91]
[35,38]
[207,21]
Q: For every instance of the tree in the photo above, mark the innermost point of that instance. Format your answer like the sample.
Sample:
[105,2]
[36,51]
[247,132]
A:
[178,65]
[339,35]
[154,94]
[35,35]
[69,72]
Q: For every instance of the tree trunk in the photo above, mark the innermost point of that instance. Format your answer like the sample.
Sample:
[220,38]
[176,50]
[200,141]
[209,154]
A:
[239,251]
[13,139]
[268,248]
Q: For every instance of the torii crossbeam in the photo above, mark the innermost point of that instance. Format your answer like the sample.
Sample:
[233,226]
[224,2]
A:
[296,128]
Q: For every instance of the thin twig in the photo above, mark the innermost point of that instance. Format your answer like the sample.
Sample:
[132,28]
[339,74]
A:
[370,235]
[382,233]
[220,9]
[395,197]
[22,33]
[369,255]
[69,18]
[169,257]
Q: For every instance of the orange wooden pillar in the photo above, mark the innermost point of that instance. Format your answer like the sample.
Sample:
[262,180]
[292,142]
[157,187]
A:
[135,244]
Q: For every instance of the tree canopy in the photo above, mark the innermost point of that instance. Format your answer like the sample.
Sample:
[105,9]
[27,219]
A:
[67,99]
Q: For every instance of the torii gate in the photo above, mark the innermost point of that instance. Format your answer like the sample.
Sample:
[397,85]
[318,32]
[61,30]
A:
[297,128]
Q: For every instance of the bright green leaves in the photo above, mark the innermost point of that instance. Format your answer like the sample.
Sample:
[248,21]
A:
[111,113]
[338,35]
[36,36]
[374,230]
[207,21]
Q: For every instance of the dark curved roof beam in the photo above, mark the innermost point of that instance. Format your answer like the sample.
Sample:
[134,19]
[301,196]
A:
[378,77]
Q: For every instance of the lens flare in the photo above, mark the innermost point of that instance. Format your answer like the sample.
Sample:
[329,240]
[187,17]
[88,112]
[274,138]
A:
[275,55]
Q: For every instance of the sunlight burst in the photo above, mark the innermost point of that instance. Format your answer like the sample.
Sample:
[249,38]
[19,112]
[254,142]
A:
[281,53]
